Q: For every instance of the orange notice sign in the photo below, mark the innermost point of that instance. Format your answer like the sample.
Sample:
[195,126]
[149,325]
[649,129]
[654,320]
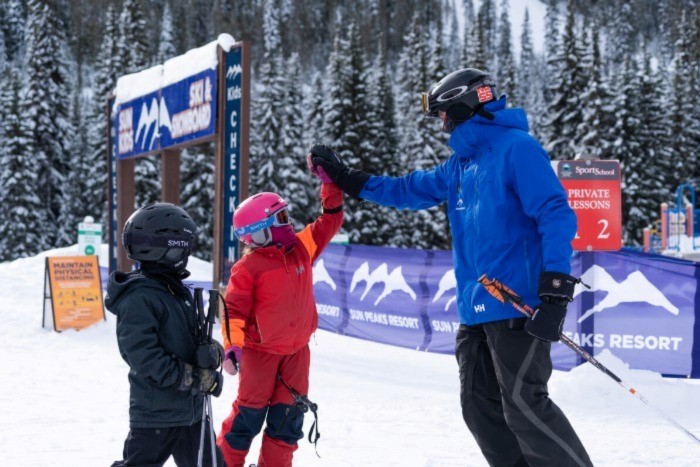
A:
[73,292]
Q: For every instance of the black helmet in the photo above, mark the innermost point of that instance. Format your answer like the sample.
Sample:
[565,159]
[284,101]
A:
[461,94]
[159,233]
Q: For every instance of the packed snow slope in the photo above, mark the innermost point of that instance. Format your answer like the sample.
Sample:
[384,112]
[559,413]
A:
[65,396]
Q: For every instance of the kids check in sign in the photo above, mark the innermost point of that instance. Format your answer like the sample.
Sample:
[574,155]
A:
[72,292]
[593,190]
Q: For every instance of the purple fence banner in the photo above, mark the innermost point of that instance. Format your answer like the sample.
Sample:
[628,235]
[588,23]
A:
[643,308]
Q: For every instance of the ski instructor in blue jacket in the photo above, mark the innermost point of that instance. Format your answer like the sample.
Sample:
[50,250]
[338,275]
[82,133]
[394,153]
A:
[510,220]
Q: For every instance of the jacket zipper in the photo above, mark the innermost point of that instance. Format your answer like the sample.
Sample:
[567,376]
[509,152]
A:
[527,266]
[294,299]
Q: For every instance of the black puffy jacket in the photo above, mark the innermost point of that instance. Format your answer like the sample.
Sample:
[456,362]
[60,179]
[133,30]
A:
[156,335]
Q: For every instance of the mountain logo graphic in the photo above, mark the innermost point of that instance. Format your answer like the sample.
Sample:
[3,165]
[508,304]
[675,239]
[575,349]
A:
[448,281]
[150,120]
[635,288]
[320,274]
[233,71]
[393,281]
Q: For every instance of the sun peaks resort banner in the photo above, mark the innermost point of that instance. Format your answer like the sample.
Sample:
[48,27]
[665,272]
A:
[643,308]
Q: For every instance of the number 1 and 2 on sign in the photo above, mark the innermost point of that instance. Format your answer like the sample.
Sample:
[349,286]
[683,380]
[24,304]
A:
[593,191]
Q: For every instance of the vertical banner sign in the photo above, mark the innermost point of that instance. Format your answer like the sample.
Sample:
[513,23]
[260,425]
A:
[593,191]
[232,159]
[73,292]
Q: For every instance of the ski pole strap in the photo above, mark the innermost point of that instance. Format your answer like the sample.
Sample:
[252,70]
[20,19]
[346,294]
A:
[199,313]
[304,405]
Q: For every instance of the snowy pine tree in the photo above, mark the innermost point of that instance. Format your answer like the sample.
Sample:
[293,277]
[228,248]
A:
[488,34]
[22,223]
[647,170]
[467,57]
[267,141]
[626,147]
[506,64]
[133,55]
[552,46]
[530,83]
[594,132]
[297,186]
[132,43]
[381,155]
[13,17]
[197,196]
[45,111]
[104,79]
[423,146]
[77,202]
[684,121]
[565,109]
[166,46]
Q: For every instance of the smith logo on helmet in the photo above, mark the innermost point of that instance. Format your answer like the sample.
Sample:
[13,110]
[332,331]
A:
[180,243]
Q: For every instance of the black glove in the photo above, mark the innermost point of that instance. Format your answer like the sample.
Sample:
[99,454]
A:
[556,290]
[349,180]
[208,382]
[209,355]
[199,380]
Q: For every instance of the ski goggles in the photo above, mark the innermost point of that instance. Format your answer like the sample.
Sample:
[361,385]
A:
[277,219]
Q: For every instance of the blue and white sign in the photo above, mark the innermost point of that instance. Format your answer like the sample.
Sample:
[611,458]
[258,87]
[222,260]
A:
[232,159]
[642,308]
[181,112]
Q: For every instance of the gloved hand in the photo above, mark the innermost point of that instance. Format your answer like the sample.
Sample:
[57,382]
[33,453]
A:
[318,171]
[199,380]
[555,290]
[349,180]
[232,361]
[209,355]
[208,381]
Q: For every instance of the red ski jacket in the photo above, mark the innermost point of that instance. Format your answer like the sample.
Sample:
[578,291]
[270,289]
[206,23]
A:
[270,296]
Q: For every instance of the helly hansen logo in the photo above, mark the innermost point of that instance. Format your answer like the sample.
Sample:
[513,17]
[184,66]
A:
[480,308]
[300,270]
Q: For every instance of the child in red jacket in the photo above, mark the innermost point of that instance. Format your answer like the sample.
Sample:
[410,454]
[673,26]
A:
[271,314]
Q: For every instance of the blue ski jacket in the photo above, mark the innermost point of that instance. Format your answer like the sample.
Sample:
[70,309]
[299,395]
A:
[508,212]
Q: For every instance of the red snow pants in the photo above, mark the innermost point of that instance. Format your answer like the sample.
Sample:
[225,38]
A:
[262,397]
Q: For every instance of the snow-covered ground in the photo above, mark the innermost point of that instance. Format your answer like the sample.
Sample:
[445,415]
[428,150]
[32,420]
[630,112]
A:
[64,399]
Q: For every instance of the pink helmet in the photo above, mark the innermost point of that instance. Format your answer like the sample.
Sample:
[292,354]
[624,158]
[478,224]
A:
[253,218]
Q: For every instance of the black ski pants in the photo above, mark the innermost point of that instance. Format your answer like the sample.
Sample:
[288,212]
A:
[152,447]
[503,375]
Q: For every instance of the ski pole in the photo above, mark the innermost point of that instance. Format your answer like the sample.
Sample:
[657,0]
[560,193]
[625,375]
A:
[206,325]
[504,294]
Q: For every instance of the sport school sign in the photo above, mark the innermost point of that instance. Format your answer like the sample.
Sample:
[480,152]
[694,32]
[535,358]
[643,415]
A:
[72,292]
[641,307]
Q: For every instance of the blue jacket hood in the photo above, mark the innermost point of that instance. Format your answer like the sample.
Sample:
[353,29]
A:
[476,130]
